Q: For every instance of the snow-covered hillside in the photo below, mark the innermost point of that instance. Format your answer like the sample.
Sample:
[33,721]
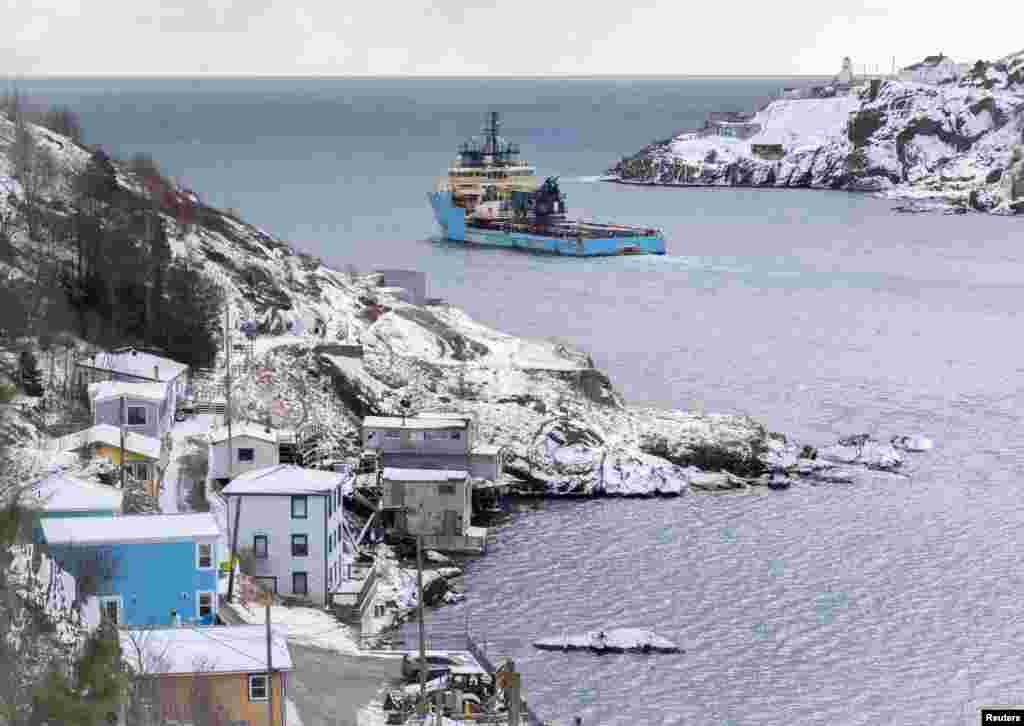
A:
[946,137]
[569,431]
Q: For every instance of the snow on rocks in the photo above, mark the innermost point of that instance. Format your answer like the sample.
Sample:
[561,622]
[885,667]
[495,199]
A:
[915,442]
[435,556]
[864,450]
[950,137]
[42,584]
[614,641]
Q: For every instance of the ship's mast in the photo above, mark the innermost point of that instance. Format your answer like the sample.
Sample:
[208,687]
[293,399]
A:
[491,133]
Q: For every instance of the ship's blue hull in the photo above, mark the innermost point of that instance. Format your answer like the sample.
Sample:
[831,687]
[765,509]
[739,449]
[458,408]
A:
[452,220]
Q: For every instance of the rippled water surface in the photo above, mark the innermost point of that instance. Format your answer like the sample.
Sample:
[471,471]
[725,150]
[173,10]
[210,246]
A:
[889,601]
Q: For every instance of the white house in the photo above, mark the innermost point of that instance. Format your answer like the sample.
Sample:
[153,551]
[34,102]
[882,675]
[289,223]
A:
[291,519]
[147,408]
[252,447]
[134,366]
[934,69]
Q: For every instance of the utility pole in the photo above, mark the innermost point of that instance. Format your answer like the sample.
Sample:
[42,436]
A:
[234,545]
[423,654]
[124,454]
[227,406]
[270,669]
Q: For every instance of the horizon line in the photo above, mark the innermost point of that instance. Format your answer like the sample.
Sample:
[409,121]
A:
[408,76]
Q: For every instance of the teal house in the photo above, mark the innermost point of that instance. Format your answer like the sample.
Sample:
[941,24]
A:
[61,495]
[140,570]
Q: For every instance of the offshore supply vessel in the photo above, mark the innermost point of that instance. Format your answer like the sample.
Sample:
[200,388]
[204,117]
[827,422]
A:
[491,197]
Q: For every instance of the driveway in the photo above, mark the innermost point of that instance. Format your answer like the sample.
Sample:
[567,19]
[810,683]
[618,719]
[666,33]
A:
[329,688]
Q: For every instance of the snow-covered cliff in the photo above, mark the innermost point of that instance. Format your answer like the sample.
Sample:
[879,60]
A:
[938,135]
[569,431]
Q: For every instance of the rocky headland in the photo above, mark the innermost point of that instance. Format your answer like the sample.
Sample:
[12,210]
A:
[939,138]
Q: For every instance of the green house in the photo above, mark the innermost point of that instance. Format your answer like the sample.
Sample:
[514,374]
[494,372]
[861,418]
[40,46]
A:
[62,495]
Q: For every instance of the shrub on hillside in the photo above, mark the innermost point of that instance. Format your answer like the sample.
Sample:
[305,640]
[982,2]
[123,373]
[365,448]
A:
[863,125]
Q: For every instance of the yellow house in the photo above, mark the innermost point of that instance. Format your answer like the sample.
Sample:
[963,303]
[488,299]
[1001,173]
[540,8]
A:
[214,670]
[143,455]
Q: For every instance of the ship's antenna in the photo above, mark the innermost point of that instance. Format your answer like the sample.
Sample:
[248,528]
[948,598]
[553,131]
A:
[492,133]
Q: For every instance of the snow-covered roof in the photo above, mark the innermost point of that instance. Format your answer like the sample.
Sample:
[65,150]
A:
[412,422]
[446,415]
[392,474]
[286,479]
[487,449]
[61,492]
[138,363]
[217,649]
[115,389]
[244,428]
[130,528]
[111,436]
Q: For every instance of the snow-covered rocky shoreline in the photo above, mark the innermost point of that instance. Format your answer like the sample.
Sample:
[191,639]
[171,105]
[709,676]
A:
[567,429]
[951,142]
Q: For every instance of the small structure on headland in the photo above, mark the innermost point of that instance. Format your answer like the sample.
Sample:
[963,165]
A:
[934,69]
[770,150]
[620,640]
[730,124]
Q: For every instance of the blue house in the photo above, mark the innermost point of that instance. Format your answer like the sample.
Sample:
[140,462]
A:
[62,495]
[136,570]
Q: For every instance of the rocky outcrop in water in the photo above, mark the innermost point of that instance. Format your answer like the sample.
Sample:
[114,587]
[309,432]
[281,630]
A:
[954,140]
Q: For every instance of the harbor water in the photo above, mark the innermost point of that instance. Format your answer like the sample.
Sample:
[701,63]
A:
[887,601]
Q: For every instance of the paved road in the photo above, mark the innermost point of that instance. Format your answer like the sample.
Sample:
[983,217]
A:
[329,688]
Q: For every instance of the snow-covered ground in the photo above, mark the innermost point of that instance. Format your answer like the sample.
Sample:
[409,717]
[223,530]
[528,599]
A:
[308,626]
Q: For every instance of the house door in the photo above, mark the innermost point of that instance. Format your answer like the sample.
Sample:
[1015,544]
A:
[451,522]
[398,500]
[110,610]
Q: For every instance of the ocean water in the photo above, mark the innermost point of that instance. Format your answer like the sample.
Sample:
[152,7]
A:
[888,601]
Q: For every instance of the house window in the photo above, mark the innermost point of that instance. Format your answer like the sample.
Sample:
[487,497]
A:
[204,556]
[136,415]
[204,605]
[138,470]
[456,435]
[392,434]
[300,507]
[300,583]
[300,545]
[259,546]
[258,688]
[445,488]
[110,609]
[246,455]
[379,610]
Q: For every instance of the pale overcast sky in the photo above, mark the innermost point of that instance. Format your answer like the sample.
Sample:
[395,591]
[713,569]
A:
[478,37]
